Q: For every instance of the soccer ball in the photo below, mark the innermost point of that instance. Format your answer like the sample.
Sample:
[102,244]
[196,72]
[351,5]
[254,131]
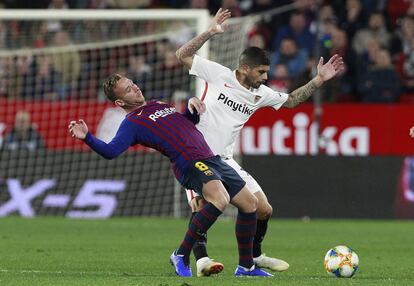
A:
[341,261]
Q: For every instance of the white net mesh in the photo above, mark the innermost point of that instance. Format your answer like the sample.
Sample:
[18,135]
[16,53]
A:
[73,59]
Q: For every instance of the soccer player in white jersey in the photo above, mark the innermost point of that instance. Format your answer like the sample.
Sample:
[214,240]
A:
[230,98]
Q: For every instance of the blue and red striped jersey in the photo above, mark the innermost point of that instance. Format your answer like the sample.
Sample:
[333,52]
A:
[159,126]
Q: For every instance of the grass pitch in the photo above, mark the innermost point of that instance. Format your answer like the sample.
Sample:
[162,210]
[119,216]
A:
[135,251]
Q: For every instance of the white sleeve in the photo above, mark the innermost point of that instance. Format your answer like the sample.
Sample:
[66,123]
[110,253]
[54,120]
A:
[274,99]
[205,69]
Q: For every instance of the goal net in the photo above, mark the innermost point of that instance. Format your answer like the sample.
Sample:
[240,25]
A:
[52,65]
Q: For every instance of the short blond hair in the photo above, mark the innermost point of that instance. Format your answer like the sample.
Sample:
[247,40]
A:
[109,86]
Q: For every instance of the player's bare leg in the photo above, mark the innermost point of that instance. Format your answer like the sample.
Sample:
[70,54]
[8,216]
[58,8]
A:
[246,204]
[217,199]
[264,213]
[206,265]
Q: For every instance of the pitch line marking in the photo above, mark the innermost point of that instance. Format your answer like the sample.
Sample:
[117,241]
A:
[70,272]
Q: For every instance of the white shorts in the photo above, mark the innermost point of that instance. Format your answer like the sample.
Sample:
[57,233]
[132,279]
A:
[251,183]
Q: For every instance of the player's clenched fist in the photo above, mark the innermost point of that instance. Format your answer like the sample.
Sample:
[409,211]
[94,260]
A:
[412,132]
[78,129]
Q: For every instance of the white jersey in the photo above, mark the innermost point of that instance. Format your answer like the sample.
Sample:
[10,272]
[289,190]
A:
[228,104]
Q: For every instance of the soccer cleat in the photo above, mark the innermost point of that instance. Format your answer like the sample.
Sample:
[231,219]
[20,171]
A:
[242,271]
[271,263]
[207,266]
[181,269]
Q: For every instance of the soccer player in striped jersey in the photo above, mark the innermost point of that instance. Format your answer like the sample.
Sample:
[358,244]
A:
[231,97]
[157,125]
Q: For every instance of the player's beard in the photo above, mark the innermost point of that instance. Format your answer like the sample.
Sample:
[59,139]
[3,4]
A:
[257,84]
[254,84]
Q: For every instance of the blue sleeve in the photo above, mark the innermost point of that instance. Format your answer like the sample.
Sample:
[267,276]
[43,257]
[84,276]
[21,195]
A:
[124,138]
[195,117]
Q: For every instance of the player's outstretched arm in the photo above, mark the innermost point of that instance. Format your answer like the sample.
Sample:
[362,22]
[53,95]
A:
[186,53]
[412,132]
[122,140]
[332,68]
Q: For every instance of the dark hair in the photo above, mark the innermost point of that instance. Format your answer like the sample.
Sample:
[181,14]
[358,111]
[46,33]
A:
[109,86]
[253,57]
[290,39]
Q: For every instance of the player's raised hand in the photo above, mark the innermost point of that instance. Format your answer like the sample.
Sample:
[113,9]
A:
[197,104]
[78,129]
[218,25]
[412,132]
[332,68]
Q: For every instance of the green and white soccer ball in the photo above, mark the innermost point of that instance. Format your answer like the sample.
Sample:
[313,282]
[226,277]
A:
[341,261]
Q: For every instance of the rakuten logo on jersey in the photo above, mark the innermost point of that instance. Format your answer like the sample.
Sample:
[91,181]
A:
[351,141]
[161,113]
[235,106]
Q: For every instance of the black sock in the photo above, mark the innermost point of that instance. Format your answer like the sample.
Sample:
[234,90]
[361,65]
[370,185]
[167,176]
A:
[200,246]
[199,225]
[245,230]
[258,238]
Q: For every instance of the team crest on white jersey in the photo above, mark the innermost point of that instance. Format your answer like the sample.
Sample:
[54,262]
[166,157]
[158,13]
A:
[257,98]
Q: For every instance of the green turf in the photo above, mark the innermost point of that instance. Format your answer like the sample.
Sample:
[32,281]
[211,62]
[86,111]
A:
[135,251]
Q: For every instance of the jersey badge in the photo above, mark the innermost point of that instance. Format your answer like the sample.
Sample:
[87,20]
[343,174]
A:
[208,173]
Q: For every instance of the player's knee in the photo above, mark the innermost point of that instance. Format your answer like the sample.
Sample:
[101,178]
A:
[264,211]
[222,200]
[252,205]
[216,194]
[255,203]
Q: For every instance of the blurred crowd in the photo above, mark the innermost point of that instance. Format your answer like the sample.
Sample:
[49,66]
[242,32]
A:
[375,38]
